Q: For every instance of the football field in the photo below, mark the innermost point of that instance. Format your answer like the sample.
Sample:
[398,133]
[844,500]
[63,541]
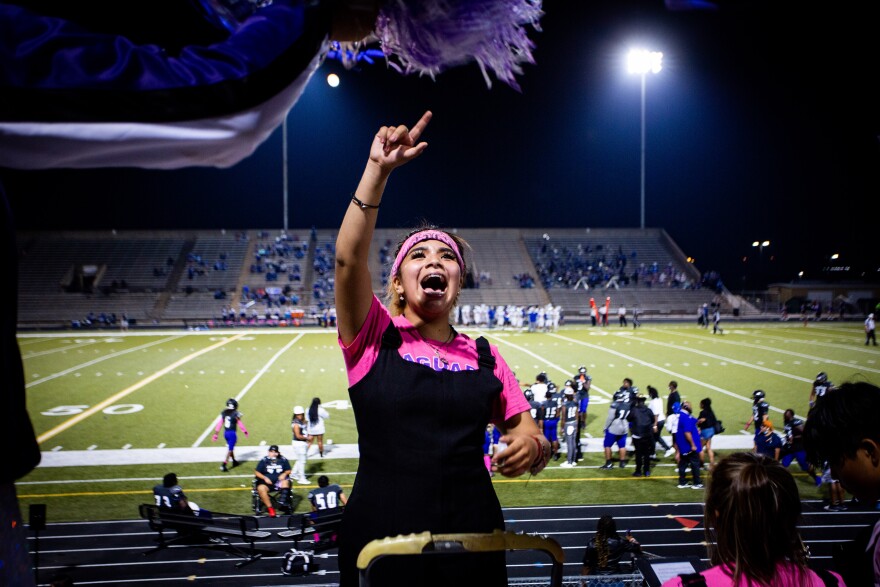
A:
[115,411]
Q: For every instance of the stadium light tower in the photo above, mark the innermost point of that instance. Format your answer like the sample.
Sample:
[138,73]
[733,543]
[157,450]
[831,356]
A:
[760,246]
[643,62]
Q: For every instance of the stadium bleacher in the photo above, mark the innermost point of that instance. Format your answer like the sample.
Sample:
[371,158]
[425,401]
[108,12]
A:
[171,278]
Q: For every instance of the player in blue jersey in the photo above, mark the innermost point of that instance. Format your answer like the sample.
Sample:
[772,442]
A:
[550,416]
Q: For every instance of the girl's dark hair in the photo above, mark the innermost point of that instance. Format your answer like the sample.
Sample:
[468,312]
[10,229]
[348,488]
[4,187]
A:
[606,528]
[313,410]
[706,404]
[652,392]
[392,299]
[751,516]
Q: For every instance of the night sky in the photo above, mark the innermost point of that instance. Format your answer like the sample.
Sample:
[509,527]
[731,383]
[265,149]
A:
[762,125]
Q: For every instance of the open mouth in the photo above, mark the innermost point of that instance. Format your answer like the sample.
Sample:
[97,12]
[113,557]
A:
[434,284]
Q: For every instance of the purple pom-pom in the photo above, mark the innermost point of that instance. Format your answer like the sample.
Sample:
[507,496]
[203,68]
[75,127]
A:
[430,36]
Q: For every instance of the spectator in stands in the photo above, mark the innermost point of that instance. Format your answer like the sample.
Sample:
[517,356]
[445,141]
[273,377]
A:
[607,549]
[745,491]
[399,358]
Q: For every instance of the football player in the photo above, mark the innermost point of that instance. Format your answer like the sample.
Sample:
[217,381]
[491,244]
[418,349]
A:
[170,496]
[569,423]
[229,419]
[626,394]
[821,386]
[793,445]
[550,412]
[327,496]
[535,406]
[582,384]
[616,429]
[760,407]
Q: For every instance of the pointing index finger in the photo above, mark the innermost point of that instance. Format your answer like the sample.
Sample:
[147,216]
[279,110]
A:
[416,130]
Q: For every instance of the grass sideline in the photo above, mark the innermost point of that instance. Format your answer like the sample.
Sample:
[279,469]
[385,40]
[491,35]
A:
[111,390]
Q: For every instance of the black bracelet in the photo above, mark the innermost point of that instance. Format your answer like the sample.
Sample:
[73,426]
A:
[363,206]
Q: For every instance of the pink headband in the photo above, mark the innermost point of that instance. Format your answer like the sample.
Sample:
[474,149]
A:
[425,235]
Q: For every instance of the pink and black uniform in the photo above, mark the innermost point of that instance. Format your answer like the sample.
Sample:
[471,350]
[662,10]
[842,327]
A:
[436,480]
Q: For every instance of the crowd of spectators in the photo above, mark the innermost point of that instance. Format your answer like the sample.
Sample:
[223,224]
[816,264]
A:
[324,266]
[282,255]
[570,265]
[101,320]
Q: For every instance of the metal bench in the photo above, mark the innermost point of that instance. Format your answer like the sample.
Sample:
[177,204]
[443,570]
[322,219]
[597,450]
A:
[217,528]
[324,525]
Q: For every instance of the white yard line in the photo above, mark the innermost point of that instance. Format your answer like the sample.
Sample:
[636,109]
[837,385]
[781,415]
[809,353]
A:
[249,385]
[129,390]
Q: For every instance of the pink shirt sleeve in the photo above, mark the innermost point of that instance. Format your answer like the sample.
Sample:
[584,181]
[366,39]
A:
[461,355]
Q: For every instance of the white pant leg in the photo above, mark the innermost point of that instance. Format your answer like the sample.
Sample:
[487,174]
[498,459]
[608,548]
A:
[299,460]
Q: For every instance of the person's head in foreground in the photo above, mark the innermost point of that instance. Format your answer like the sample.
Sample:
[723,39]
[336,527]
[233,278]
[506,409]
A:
[751,515]
[842,429]
[427,275]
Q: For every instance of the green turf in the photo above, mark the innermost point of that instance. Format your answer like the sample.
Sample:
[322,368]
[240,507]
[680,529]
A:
[142,390]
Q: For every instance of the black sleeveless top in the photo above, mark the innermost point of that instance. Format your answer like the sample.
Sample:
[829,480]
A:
[420,435]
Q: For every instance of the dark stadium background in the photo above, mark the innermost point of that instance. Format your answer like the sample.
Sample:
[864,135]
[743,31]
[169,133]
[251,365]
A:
[762,125]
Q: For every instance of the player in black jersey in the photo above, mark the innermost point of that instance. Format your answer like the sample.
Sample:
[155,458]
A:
[229,419]
[534,407]
[582,384]
[170,496]
[760,408]
[821,386]
[793,446]
[550,416]
[626,394]
[327,496]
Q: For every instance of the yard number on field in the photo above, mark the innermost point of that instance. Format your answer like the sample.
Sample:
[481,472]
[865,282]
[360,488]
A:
[112,410]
